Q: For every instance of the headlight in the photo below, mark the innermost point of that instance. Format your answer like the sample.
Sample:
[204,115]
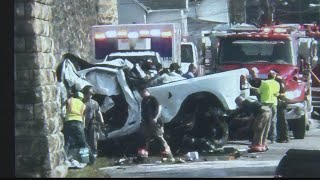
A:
[293,94]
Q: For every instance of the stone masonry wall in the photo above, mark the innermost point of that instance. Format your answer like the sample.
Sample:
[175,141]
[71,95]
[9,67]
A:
[72,25]
[38,138]
[43,31]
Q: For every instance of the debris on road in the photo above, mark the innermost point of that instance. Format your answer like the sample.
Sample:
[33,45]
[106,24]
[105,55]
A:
[121,161]
[250,156]
[190,156]
[74,164]
[168,160]
[179,160]
[158,162]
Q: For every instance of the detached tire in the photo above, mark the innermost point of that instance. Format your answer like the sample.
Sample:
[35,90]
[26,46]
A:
[299,127]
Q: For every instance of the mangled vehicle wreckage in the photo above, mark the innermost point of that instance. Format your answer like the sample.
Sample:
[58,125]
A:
[194,110]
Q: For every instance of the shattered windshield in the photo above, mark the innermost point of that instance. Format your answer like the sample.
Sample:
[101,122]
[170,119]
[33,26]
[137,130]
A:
[255,51]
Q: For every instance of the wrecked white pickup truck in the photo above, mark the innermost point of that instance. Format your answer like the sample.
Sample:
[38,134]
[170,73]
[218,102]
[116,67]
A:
[192,108]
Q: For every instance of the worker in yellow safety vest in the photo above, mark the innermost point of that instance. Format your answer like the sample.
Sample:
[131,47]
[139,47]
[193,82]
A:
[74,124]
[269,91]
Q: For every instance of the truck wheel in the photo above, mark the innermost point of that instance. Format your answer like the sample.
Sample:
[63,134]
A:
[299,127]
[208,125]
[220,137]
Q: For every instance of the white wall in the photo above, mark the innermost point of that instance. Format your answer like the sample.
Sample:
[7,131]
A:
[130,12]
[169,16]
[210,10]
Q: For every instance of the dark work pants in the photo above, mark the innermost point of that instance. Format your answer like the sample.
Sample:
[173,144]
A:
[261,126]
[273,130]
[282,123]
[74,135]
[92,138]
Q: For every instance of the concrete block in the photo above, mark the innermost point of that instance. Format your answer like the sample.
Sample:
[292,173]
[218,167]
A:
[24,75]
[39,44]
[46,44]
[33,44]
[41,77]
[33,9]
[27,61]
[24,112]
[19,9]
[38,10]
[53,124]
[46,110]
[25,96]
[31,146]
[59,172]
[34,128]
[19,44]
[32,27]
[54,142]
[38,164]
[54,159]
[49,2]
[46,13]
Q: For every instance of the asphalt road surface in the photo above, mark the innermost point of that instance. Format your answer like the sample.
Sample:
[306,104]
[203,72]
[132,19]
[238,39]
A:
[247,165]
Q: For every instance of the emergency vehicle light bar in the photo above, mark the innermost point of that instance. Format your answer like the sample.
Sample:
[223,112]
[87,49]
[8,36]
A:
[280,30]
[155,32]
[133,34]
[122,34]
[274,30]
[111,34]
[166,34]
[99,36]
[144,33]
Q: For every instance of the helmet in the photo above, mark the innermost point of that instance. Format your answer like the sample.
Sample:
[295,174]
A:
[80,95]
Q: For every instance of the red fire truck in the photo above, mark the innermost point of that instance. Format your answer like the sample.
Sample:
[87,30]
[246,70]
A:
[284,48]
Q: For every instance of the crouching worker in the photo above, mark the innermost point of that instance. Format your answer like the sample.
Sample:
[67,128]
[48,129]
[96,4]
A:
[151,126]
[73,129]
[261,122]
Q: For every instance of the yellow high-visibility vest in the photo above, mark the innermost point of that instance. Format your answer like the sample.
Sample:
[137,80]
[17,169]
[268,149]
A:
[76,109]
[269,90]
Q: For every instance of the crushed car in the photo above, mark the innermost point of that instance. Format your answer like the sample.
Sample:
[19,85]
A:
[194,110]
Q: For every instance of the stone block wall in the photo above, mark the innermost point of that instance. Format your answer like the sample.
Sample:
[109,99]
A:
[71,25]
[43,31]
